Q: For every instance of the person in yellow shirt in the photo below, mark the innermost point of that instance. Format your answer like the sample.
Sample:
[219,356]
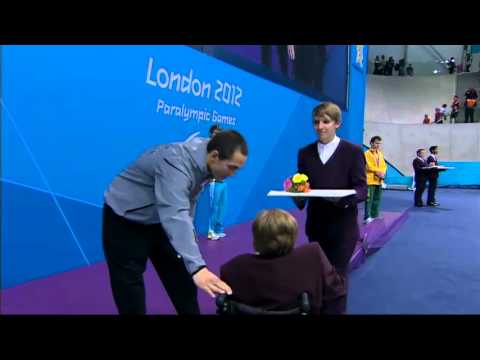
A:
[376,169]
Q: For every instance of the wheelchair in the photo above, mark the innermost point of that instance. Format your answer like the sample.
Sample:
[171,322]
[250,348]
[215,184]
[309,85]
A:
[227,306]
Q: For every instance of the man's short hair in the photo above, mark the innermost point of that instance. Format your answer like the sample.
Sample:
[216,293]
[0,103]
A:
[419,151]
[433,148]
[328,110]
[274,232]
[375,138]
[227,143]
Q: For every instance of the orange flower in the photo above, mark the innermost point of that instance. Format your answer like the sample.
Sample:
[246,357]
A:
[301,188]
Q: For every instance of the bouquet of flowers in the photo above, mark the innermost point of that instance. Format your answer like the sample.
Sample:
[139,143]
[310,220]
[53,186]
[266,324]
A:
[297,183]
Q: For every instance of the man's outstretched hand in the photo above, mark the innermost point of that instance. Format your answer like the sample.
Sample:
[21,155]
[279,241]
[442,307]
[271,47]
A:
[211,283]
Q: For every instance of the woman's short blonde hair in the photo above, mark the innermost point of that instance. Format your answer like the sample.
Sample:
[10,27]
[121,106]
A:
[329,110]
[274,232]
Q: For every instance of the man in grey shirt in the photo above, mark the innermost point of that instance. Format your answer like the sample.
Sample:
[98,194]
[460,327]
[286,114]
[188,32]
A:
[148,214]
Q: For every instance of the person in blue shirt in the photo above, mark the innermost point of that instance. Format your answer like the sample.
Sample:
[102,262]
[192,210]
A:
[218,201]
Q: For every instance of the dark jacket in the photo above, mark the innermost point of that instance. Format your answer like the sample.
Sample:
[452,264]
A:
[433,174]
[421,171]
[334,224]
[276,283]
[344,170]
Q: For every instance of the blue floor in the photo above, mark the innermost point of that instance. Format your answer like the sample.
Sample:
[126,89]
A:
[430,266]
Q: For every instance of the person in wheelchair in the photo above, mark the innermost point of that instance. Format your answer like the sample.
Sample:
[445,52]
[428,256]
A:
[277,274]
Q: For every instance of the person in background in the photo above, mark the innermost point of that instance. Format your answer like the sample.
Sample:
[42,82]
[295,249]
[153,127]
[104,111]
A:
[397,68]
[376,169]
[432,160]
[376,64]
[427,119]
[218,201]
[471,98]
[468,62]
[455,109]
[410,70]
[438,116]
[444,111]
[422,171]
[401,67]
[383,64]
[451,65]
[389,66]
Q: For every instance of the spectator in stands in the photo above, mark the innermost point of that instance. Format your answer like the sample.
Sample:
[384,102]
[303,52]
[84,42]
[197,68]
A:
[438,116]
[382,65]
[468,62]
[401,67]
[471,98]
[376,169]
[410,70]
[451,65]
[427,119]
[455,109]
[389,66]
[275,276]
[377,65]
[444,111]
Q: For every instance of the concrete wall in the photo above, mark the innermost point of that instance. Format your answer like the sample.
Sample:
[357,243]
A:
[405,100]
[459,142]
[394,110]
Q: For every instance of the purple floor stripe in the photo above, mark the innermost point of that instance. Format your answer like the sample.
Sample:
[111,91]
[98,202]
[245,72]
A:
[87,291]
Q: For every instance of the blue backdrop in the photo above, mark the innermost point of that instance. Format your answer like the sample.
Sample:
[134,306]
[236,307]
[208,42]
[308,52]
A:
[75,116]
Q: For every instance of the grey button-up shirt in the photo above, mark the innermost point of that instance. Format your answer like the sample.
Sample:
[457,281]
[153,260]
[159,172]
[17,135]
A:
[163,186]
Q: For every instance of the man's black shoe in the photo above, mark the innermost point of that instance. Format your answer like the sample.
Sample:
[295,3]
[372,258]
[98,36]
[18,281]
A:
[433,204]
[419,205]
